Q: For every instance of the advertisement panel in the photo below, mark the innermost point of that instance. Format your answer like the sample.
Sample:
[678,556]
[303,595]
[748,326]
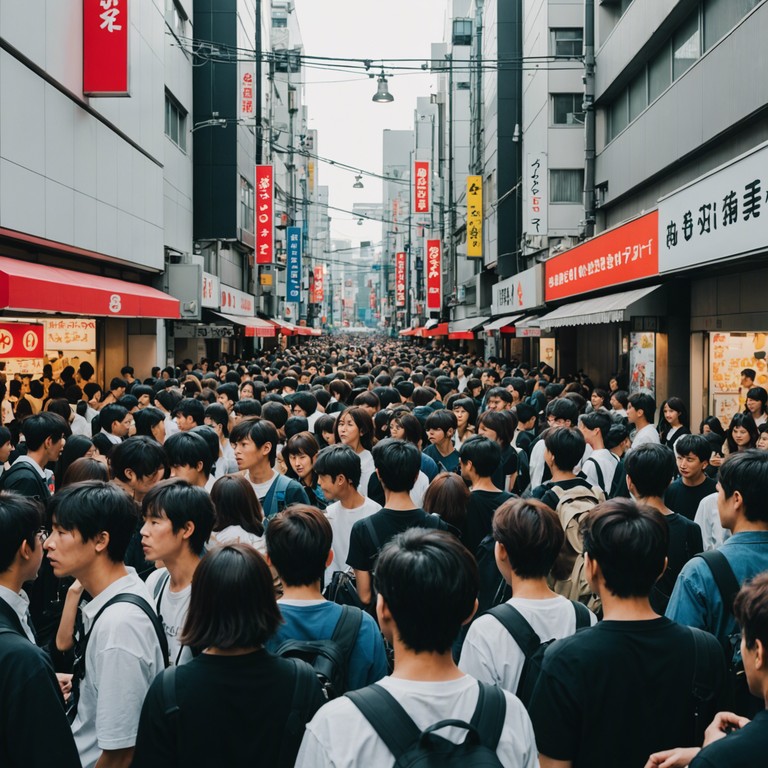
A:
[105,47]
[421,187]
[211,291]
[400,279]
[434,275]
[535,186]
[319,284]
[474,217]
[293,266]
[265,243]
[247,102]
[518,293]
[21,340]
[235,302]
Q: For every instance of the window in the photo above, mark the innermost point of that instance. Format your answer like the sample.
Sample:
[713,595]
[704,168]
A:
[567,42]
[618,118]
[247,216]
[175,122]
[659,73]
[279,21]
[685,45]
[721,16]
[462,31]
[175,18]
[566,109]
[566,186]
[638,96]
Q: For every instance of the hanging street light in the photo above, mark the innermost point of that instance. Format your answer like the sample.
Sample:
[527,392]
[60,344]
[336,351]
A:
[382,95]
[358,182]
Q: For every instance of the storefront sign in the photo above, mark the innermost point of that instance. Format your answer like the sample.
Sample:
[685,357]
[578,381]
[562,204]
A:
[211,291]
[722,214]
[105,47]
[400,279]
[70,334]
[527,333]
[194,331]
[319,284]
[293,266]
[265,243]
[474,217]
[518,293]
[535,178]
[21,340]
[235,302]
[434,275]
[247,101]
[621,255]
[642,363]
[421,187]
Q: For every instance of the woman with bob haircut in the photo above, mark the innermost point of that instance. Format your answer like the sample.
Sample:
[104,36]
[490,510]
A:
[354,427]
[301,451]
[232,614]
[448,496]
[238,515]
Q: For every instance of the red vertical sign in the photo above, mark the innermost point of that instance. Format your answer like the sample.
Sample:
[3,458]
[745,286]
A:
[400,279]
[264,215]
[434,275]
[105,47]
[319,284]
[421,187]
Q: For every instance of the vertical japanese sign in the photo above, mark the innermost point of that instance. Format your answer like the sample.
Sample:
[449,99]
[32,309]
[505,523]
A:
[535,182]
[247,103]
[474,217]
[400,279]
[434,275]
[293,266]
[264,215]
[105,47]
[421,187]
[319,284]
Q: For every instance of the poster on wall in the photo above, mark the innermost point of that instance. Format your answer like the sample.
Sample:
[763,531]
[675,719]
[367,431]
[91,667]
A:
[642,363]
[547,352]
[731,353]
[726,405]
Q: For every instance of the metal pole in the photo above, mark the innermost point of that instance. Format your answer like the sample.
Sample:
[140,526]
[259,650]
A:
[259,94]
[589,117]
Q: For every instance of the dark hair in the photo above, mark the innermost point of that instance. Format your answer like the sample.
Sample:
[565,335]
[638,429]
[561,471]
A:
[484,453]
[236,503]
[644,402]
[298,542]
[398,463]
[563,408]
[603,395]
[147,419]
[111,413]
[217,413]
[189,449]
[422,395]
[38,428]
[501,392]
[20,520]
[759,394]
[617,434]
[500,423]
[447,496]
[275,413]
[306,401]
[143,455]
[363,422]
[75,448]
[84,468]
[629,542]
[232,604]
[168,399]
[468,404]
[323,423]
[191,407]
[94,506]
[698,445]
[651,468]
[335,460]
[414,431]
[566,444]
[751,610]
[749,373]
[260,431]
[597,420]
[429,581]
[714,426]
[524,412]
[295,425]
[622,397]
[531,534]
[182,503]
[442,419]
[747,473]
[229,390]
[746,421]
[676,404]
[247,407]
[60,405]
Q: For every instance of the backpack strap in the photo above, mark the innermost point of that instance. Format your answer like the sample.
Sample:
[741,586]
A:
[348,628]
[305,680]
[159,591]
[489,716]
[276,490]
[522,632]
[583,619]
[704,661]
[599,472]
[371,528]
[387,717]
[725,580]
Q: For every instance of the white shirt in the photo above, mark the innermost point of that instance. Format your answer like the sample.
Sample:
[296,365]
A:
[648,434]
[19,602]
[80,426]
[490,653]
[236,534]
[419,489]
[262,489]
[342,520]
[367,469]
[228,454]
[114,439]
[339,736]
[122,660]
[708,519]
[171,427]
[173,613]
[607,461]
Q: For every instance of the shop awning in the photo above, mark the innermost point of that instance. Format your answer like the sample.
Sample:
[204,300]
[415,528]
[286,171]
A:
[28,287]
[431,323]
[410,331]
[441,329]
[284,327]
[254,326]
[501,322]
[463,329]
[605,309]
[305,330]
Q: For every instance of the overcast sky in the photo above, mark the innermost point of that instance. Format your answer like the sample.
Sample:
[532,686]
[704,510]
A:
[348,123]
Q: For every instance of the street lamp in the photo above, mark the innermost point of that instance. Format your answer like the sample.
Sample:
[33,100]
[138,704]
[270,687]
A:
[382,95]
[358,182]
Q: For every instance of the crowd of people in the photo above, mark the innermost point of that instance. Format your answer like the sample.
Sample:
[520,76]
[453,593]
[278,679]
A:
[362,552]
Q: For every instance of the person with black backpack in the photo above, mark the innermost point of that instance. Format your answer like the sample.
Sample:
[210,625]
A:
[342,643]
[506,645]
[428,709]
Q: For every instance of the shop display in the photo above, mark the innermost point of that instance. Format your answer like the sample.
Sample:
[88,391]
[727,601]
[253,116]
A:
[731,353]
[642,361]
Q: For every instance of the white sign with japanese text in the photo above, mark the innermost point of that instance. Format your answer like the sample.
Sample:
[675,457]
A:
[70,334]
[724,213]
[235,302]
[535,179]
[211,291]
[519,292]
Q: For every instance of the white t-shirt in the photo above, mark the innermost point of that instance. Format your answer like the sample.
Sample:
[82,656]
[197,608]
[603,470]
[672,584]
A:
[648,434]
[122,660]
[236,534]
[708,519]
[419,489]
[367,469]
[173,612]
[490,653]
[262,489]
[342,520]
[339,736]
[607,461]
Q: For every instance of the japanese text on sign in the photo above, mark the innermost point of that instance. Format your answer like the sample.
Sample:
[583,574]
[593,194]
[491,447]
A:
[246,95]
[105,47]
[293,266]
[421,187]
[536,194]
[400,279]
[474,216]
[264,215]
[70,334]
[434,275]
[319,284]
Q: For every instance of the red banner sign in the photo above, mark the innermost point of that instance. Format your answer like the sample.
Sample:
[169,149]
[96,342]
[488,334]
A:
[265,242]
[400,279]
[434,276]
[19,340]
[319,284]
[247,108]
[421,187]
[105,47]
[624,254]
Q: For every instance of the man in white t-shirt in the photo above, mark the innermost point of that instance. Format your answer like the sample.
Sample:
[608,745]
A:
[600,467]
[428,585]
[641,411]
[178,520]
[338,474]
[92,525]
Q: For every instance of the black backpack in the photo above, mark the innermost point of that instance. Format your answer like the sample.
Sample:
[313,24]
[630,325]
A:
[413,748]
[530,643]
[330,657]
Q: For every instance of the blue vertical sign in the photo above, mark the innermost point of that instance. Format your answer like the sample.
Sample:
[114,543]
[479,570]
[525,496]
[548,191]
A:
[293,266]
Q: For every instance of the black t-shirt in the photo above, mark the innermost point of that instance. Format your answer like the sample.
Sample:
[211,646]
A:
[450,462]
[611,695]
[480,509]
[545,493]
[684,542]
[685,499]
[746,748]
[233,711]
[387,523]
[507,466]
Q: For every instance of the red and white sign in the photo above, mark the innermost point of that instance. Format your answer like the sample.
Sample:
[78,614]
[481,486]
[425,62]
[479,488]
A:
[247,102]
[265,240]
[434,276]
[235,302]
[400,279]
[319,284]
[21,340]
[78,334]
[105,47]
[621,255]
[210,291]
[421,187]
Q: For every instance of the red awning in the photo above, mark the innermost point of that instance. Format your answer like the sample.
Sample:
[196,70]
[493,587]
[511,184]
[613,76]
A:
[286,328]
[410,331]
[441,329]
[28,287]
[465,335]
[254,326]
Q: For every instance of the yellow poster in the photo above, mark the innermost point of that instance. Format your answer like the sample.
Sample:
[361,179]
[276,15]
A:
[474,217]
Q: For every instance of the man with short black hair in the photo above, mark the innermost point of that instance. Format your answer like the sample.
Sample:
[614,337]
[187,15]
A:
[227,395]
[116,423]
[498,399]
[189,413]
[559,413]
[189,457]
[441,427]
[641,410]
[687,492]
[600,467]
[137,464]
